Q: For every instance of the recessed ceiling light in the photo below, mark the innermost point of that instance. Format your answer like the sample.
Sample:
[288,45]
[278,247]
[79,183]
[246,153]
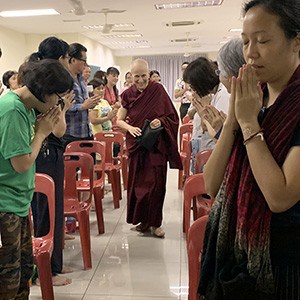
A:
[28,13]
[116,36]
[188,4]
[235,30]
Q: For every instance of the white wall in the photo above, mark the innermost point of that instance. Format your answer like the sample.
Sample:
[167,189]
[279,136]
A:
[13,45]
[17,46]
[124,63]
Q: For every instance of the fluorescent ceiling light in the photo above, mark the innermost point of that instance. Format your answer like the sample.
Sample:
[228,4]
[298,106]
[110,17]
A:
[188,4]
[91,27]
[134,47]
[28,13]
[116,36]
[126,42]
[235,30]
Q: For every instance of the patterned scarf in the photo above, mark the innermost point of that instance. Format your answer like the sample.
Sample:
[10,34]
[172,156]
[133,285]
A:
[238,230]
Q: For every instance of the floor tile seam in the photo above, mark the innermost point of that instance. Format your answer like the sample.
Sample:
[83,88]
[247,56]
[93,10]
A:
[100,259]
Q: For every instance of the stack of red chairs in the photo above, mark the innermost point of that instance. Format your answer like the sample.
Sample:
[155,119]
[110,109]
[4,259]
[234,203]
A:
[113,165]
[77,204]
[92,147]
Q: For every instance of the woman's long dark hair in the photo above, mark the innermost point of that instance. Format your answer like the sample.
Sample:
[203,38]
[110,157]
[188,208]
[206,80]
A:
[51,47]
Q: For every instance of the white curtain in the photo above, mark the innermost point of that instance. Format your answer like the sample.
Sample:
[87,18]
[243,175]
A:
[169,67]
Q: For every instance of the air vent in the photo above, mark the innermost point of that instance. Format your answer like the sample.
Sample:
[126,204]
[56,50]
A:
[183,40]
[182,23]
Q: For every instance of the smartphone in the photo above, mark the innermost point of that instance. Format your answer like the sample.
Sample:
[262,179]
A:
[90,90]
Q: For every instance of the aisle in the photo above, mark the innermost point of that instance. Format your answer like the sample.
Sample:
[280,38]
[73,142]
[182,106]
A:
[128,265]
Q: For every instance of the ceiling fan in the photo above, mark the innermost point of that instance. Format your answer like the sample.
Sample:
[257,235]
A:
[187,47]
[79,9]
[110,27]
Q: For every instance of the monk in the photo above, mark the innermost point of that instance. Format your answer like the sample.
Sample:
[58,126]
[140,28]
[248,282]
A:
[148,100]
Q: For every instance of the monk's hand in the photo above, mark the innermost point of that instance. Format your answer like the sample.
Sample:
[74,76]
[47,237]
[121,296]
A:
[135,131]
[155,123]
[248,96]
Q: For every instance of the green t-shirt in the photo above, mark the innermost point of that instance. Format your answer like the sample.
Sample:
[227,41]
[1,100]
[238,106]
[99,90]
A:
[16,132]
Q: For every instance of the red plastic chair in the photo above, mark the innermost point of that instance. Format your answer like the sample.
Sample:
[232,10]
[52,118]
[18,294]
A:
[186,119]
[73,206]
[113,165]
[185,133]
[201,159]
[43,246]
[92,147]
[194,249]
[193,190]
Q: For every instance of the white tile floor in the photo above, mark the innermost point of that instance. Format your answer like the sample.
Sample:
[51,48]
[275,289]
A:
[128,265]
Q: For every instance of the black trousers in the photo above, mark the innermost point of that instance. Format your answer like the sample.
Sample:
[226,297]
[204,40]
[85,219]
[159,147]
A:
[184,107]
[50,161]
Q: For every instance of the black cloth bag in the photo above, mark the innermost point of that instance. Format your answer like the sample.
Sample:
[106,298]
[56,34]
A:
[149,136]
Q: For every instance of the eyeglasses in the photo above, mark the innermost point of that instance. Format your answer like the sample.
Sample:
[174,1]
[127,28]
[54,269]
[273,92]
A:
[218,72]
[60,101]
[82,59]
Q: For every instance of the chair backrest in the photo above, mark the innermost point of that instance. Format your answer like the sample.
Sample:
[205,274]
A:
[186,119]
[110,138]
[44,184]
[201,159]
[185,129]
[194,186]
[73,162]
[194,249]
[89,147]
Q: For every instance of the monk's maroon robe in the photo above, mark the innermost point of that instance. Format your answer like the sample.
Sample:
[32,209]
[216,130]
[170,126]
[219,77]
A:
[148,170]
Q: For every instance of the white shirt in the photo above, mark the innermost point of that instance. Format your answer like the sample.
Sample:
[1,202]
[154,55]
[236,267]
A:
[220,100]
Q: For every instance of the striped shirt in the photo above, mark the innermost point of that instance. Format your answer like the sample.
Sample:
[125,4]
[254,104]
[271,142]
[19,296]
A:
[77,119]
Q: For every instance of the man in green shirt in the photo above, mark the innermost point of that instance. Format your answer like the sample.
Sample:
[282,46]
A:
[21,137]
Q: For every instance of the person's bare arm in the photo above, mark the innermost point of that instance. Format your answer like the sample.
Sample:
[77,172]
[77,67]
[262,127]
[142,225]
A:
[95,120]
[134,131]
[215,168]
[279,185]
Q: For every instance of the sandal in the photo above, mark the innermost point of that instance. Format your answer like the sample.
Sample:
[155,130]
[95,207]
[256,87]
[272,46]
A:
[158,232]
[142,228]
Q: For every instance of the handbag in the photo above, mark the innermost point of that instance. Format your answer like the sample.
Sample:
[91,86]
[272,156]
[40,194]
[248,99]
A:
[149,136]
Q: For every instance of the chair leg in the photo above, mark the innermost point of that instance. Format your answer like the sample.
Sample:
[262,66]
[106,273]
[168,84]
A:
[119,185]
[183,220]
[85,238]
[99,209]
[125,173]
[45,275]
[187,215]
[180,176]
[114,187]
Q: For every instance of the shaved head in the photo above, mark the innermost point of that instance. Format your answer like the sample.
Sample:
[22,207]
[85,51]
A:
[140,73]
[139,63]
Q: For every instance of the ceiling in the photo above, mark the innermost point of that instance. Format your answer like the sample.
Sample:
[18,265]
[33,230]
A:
[211,29]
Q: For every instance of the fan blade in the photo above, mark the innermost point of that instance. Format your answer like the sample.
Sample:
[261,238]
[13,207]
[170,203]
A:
[124,30]
[78,7]
[111,11]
